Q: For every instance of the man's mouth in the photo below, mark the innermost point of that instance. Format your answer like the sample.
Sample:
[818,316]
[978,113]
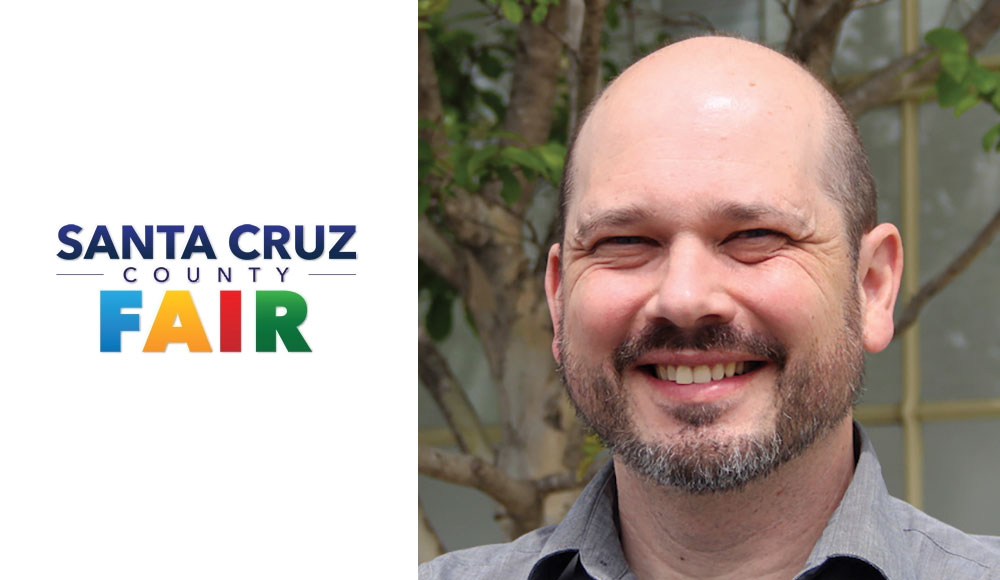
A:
[686,375]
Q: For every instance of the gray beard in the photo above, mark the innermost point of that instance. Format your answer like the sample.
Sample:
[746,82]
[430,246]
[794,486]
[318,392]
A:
[813,394]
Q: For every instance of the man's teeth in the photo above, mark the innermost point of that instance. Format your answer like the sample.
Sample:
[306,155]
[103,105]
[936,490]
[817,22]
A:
[685,375]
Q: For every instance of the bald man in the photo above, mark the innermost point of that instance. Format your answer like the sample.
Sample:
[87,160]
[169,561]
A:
[720,275]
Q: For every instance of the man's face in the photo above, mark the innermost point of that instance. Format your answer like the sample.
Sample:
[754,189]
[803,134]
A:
[706,305]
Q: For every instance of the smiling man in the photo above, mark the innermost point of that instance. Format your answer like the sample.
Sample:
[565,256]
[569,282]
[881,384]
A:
[720,275]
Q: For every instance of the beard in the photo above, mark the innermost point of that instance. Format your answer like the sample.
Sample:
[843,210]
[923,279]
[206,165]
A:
[813,393]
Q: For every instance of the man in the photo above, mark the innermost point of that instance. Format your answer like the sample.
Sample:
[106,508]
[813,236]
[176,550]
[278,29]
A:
[719,277]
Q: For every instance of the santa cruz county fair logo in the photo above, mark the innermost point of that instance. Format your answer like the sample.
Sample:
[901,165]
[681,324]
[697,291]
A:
[278,313]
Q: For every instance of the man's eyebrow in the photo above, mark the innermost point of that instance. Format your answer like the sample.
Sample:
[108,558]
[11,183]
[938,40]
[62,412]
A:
[734,211]
[620,216]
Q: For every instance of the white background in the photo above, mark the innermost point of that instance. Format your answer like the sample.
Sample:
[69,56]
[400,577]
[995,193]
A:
[207,465]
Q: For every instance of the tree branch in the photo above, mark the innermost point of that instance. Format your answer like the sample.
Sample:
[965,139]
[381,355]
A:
[882,85]
[867,4]
[567,480]
[815,28]
[517,496]
[586,70]
[436,375]
[429,106]
[428,542]
[690,19]
[562,40]
[786,9]
[536,68]
[464,211]
[468,215]
[556,34]
[939,282]
[438,252]
[503,207]
[534,82]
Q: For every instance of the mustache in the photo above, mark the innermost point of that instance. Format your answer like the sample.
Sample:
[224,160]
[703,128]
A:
[711,337]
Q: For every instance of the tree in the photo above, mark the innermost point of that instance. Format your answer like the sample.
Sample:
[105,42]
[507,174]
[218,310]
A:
[490,160]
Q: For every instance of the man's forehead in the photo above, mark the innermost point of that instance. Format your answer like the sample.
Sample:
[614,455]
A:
[687,90]
[705,64]
[688,104]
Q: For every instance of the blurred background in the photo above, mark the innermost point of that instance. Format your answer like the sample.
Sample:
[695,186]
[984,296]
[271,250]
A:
[502,84]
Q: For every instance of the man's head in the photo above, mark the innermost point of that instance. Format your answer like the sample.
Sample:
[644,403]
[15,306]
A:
[844,172]
[720,271]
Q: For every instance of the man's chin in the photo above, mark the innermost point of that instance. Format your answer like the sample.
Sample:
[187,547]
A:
[697,415]
[702,459]
[723,418]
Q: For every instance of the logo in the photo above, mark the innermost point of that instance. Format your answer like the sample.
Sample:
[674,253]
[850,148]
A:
[278,314]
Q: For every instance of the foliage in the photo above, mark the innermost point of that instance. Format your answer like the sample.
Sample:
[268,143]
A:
[592,447]
[441,297]
[476,153]
[964,82]
[513,10]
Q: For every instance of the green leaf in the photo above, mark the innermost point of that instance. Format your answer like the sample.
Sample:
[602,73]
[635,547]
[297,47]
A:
[539,13]
[991,137]
[512,10]
[424,275]
[423,197]
[610,68]
[424,150]
[428,7]
[425,159]
[457,40]
[968,101]
[459,160]
[511,191]
[985,81]
[947,40]
[611,15]
[495,103]
[995,101]
[479,158]
[490,65]
[591,448]
[955,64]
[470,15]
[554,156]
[508,135]
[524,158]
[438,319]
[949,92]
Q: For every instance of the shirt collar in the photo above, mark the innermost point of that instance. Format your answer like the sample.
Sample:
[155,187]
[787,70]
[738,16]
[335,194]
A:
[862,526]
[590,528]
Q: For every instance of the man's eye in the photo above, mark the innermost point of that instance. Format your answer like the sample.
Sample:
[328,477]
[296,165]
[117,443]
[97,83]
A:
[754,245]
[622,240]
[619,243]
[753,234]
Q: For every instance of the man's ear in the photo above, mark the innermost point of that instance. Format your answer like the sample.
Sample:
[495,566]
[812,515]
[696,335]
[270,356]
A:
[880,267]
[553,282]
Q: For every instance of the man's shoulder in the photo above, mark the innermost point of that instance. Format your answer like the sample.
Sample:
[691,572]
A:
[943,548]
[508,561]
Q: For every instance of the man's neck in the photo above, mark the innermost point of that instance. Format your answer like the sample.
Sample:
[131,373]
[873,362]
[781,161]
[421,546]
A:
[765,530]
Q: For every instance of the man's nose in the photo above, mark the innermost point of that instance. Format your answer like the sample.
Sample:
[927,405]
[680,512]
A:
[693,287]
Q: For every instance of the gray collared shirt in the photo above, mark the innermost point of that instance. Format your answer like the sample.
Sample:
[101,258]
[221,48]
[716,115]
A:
[870,535]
